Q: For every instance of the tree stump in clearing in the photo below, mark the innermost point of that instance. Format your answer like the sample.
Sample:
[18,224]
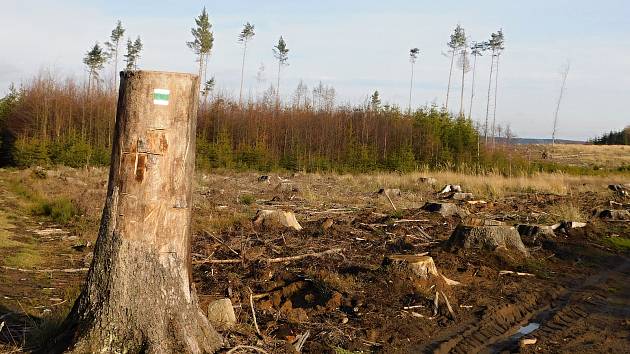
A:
[277,219]
[489,238]
[421,266]
[445,209]
[138,296]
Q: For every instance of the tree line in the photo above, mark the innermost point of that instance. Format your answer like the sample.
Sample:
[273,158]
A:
[621,137]
[54,121]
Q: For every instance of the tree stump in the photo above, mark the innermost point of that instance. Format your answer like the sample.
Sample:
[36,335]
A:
[421,266]
[488,238]
[277,219]
[445,209]
[138,295]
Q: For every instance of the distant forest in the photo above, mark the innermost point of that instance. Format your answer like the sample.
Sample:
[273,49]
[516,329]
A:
[621,137]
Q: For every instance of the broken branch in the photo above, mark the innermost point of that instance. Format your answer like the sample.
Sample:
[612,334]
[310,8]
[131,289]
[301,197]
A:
[390,201]
[68,270]
[273,260]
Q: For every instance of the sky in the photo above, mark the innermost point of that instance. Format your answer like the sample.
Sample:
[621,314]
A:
[359,47]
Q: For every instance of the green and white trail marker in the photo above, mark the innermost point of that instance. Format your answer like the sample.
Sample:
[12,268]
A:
[161,96]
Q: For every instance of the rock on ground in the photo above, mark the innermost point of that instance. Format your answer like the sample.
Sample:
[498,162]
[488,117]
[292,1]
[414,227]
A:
[489,238]
[221,314]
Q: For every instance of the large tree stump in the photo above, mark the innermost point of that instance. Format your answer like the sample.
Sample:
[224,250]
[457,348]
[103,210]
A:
[489,238]
[138,295]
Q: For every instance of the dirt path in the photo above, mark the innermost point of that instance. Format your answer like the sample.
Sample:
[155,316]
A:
[591,315]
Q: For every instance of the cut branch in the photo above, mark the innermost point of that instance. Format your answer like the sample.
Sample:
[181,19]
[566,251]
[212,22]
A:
[68,270]
[273,260]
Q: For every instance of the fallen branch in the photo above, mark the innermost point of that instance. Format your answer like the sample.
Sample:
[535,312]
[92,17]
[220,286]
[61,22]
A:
[390,201]
[251,303]
[221,241]
[307,255]
[69,270]
[436,302]
[273,260]
[239,347]
[448,305]
[410,220]
[412,307]
[504,272]
[299,342]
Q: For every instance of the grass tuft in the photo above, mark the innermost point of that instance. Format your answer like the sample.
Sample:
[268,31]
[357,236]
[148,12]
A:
[246,199]
[24,258]
[620,243]
[60,210]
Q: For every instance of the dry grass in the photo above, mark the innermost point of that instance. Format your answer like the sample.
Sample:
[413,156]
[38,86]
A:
[564,211]
[487,186]
[611,156]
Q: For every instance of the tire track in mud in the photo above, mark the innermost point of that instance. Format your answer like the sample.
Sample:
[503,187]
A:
[556,311]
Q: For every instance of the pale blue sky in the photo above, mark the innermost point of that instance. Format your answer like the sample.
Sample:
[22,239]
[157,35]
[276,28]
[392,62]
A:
[359,47]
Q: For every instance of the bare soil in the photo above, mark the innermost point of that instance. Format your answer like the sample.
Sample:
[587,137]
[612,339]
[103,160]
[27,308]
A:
[577,297]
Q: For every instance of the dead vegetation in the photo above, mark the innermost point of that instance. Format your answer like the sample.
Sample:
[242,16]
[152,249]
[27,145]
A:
[363,271]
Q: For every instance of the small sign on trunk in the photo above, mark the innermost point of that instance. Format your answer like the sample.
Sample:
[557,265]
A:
[161,96]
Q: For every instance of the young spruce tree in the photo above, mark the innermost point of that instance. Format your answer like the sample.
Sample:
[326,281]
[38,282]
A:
[245,36]
[202,42]
[113,46]
[281,53]
[94,59]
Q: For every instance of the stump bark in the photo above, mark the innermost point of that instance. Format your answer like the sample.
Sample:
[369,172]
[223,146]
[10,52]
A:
[138,295]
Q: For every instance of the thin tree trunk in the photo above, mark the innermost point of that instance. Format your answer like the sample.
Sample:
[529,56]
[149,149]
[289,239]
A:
[199,86]
[472,88]
[461,99]
[278,85]
[138,295]
[485,127]
[450,73]
[496,93]
[565,73]
[116,68]
[411,87]
[240,95]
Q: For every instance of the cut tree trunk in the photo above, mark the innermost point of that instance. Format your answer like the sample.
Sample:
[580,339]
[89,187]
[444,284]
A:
[138,295]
